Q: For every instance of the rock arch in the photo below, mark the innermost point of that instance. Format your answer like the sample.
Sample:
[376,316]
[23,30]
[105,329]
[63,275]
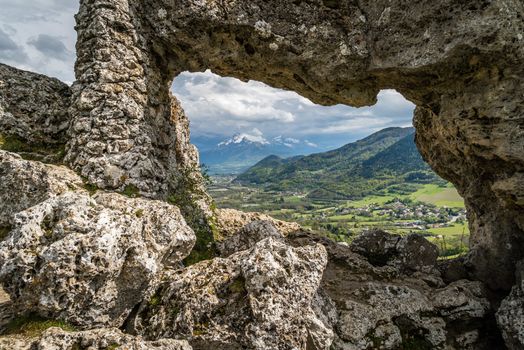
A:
[460,62]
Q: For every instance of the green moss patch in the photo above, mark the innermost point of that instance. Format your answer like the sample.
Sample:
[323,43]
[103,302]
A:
[91,188]
[47,153]
[4,231]
[34,326]
[131,191]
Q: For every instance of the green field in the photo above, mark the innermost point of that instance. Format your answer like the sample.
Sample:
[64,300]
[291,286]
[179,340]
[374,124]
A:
[439,196]
[453,239]
[433,210]
[369,200]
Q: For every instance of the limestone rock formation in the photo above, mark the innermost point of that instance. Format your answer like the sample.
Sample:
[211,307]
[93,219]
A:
[510,315]
[90,260]
[33,107]
[259,298]
[230,222]
[386,306]
[28,183]
[460,63]
[97,339]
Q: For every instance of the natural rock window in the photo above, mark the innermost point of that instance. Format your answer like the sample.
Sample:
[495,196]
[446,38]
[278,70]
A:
[460,63]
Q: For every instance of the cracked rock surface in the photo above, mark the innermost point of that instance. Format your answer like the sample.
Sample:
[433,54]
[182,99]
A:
[97,339]
[33,107]
[259,298]
[90,260]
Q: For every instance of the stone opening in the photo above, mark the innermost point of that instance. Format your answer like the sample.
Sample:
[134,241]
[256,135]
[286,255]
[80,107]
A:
[464,78]
[238,124]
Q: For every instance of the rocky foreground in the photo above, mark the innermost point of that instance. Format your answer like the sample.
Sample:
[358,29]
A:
[86,268]
[110,268]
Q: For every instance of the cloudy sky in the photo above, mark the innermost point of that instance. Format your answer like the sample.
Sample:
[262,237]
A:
[38,35]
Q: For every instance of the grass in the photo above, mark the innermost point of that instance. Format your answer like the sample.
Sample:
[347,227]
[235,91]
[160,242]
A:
[370,200]
[439,196]
[131,191]
[34,326]
[452,241]
[456,229]
[31,151]
[4,231]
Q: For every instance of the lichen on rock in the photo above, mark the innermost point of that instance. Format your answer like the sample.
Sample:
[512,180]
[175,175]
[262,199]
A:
[97,339]
[90,260]
[260,298]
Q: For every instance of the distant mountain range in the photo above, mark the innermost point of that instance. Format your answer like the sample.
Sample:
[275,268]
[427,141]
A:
[379,162]
[243,150]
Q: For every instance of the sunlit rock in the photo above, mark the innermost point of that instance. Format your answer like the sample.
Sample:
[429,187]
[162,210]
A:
[259,298]
[90,260]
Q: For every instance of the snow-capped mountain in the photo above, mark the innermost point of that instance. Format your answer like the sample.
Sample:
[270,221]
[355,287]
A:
[255,136]
[242,150]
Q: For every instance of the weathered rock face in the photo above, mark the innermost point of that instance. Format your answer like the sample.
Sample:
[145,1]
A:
[230,221]
[90,260]
[408,253]
[389,306]
[98,339]
[510,315]
[461,63]
[33,107]
[259,298]
[27,183]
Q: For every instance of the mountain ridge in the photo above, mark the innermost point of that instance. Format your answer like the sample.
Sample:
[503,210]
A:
[382,159]
[243,150]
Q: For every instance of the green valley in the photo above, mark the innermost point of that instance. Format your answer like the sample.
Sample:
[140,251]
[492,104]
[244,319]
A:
[380,182]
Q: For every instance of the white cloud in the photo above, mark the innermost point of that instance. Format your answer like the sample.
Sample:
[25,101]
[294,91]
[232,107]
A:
[45,35]
[223,106]
[39,35]
[255,102]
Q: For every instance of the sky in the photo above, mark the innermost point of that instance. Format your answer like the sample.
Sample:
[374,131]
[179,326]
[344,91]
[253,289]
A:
[38,35]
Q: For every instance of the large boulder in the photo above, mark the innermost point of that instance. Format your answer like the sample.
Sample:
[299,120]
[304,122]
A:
[90,260]
[510,315]
[409,253]
[33,107]
[97,339]
[374,299]
[256,299]
[27,183]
